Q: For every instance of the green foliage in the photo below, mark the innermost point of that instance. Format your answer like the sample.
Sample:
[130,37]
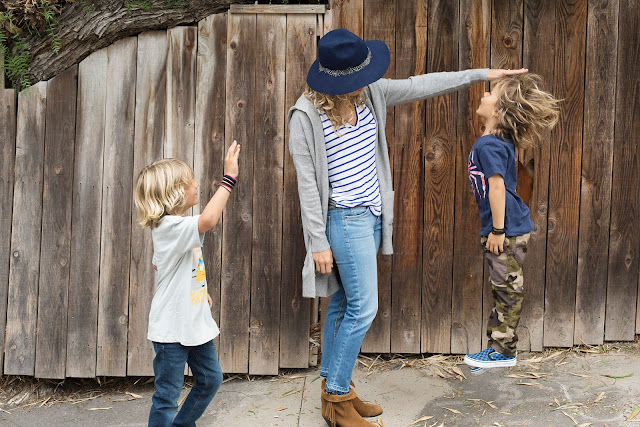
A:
[138,4]
[16,60]
[18,17]
[174,3]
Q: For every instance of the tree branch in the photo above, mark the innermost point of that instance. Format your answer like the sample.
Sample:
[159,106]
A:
[86,26]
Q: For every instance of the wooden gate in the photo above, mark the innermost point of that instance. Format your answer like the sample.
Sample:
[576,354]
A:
[75,269]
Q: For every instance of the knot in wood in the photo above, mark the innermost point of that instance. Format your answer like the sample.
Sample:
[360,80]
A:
[58,169]
[233,45]
[123,319]
[312,30]
[245,217]
[508,41]
[240,104]
[16,254]
[430,156]
[63,261]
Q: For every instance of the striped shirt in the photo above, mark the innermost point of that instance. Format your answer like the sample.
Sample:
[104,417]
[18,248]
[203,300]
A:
[351,159]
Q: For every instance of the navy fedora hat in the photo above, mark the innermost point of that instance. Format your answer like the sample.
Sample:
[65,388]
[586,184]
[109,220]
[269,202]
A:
[347,63]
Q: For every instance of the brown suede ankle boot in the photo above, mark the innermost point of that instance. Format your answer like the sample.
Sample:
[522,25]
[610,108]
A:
[364,409]
[338,411]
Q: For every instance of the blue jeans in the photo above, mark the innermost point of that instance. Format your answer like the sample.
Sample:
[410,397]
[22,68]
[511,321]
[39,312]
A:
[168,367]
[354,238]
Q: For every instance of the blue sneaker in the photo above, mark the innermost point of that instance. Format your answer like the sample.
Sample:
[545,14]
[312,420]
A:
[489,358]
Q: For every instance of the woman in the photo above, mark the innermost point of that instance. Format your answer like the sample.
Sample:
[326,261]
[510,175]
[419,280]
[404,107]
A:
[339,149]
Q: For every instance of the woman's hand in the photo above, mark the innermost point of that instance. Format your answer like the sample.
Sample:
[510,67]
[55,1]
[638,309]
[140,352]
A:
[323,261]
[495,244]
[496,73]
[231,160]
[210,301]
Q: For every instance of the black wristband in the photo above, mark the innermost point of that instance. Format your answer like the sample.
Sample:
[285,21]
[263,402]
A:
[497,231]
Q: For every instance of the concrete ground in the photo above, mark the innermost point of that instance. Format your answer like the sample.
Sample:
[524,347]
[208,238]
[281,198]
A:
[556,388]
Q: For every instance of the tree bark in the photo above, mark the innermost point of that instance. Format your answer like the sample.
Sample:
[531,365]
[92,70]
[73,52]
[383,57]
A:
[86,26]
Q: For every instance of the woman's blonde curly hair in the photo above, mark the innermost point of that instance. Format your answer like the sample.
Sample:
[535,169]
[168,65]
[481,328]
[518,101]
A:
[161,190]
[327,104]
[524,110]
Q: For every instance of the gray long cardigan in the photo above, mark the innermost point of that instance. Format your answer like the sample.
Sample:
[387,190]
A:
[307,147]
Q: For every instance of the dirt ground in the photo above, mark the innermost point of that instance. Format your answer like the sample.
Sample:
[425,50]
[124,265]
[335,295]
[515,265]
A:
[585,386]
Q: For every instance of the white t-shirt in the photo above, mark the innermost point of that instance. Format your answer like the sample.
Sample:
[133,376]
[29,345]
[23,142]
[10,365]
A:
[179,310]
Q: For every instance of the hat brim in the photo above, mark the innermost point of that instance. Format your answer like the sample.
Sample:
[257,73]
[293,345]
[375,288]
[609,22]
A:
[339,85]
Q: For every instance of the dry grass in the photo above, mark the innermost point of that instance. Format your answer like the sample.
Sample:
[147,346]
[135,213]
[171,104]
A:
[23,391]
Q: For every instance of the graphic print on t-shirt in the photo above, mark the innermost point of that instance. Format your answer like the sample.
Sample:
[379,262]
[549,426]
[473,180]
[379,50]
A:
[198,279]
[478,184]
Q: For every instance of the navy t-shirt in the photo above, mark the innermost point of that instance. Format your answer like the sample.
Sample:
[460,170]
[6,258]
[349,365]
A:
[491,155]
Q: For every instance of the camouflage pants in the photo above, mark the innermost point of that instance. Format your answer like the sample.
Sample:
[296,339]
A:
[505,275]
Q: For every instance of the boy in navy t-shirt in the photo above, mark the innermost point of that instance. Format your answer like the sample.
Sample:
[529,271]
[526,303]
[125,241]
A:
[515,112]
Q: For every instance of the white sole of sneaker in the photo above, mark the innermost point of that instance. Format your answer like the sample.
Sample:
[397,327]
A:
[490,363]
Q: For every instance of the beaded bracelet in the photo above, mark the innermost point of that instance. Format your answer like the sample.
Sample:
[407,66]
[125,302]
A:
[228,182]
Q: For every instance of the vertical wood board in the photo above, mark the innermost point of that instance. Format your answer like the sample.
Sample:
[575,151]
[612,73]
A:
[24,269]
[86,221]
[266,267]
[117,188]
[51,342]
[151,69]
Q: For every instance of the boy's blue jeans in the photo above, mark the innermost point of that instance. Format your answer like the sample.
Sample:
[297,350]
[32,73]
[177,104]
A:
[354,237]
[168,366]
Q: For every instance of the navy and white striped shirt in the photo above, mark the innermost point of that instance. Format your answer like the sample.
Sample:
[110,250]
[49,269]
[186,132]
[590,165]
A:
[351,158]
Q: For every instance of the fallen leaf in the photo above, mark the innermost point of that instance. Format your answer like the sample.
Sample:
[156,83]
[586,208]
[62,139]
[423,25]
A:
[523,383]
[99,409]
[419,420]
[380,423]
[488,403]
[599,398]
[135,396]
[439,372]
[634,413]
[281,408]
[459,372]
[584,425]
[455,411]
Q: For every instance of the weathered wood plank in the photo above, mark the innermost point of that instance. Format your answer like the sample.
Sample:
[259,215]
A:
[7,160]
[24,267]
[279,9]
[564,178]
[181,93]
[506,52]
[294,310]
[380,24]
[55,252]
[539,40]
[348,14]
[266,266]
[209,138]
[622,284]
[411,49]
[151,75]
[597,163]
[238,219]
[467,281]
[113,306]
[82,329]
[439,187]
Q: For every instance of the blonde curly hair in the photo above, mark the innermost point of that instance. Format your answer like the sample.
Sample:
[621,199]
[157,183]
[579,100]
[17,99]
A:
[328,104]
[161,190]
[524,110]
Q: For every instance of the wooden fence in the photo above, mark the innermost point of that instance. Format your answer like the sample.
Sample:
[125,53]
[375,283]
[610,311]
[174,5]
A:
[75,269]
